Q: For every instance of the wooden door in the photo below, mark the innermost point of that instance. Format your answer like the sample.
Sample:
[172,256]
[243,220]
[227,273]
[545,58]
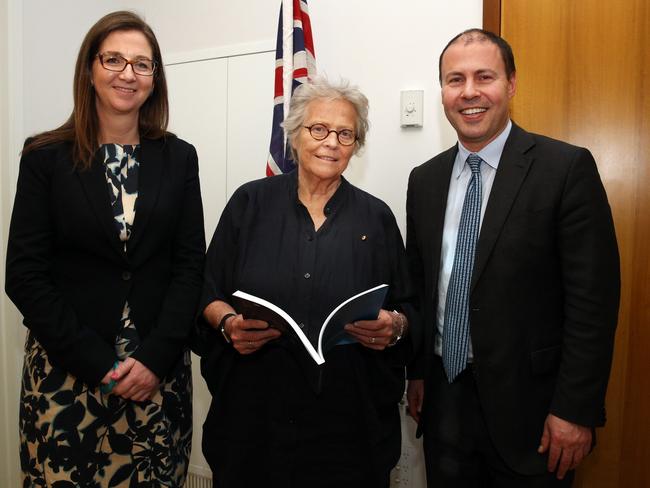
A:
[583,76]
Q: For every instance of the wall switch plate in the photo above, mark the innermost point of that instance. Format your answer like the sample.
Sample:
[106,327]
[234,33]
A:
[411,108]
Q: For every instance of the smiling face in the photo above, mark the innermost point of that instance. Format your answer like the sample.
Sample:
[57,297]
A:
[326,159]
[476,91]
[122,93]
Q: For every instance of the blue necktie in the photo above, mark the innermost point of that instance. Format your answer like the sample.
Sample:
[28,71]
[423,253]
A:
[455,333]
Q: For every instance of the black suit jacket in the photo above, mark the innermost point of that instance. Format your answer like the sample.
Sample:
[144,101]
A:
[68,273]
[544,292]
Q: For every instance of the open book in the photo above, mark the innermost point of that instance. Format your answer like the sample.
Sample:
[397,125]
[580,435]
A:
[363,306]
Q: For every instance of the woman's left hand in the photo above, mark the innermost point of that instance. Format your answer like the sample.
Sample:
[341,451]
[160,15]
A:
[134,381]
[374,334]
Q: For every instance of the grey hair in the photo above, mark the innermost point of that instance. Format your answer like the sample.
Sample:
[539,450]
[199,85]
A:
[320,88]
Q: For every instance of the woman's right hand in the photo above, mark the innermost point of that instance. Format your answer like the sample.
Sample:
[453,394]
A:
[248,336]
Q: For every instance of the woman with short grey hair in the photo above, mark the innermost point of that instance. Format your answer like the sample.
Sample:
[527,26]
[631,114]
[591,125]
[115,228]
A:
[306,241]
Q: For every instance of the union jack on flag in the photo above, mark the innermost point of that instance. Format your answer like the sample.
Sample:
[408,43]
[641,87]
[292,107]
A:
[295,64]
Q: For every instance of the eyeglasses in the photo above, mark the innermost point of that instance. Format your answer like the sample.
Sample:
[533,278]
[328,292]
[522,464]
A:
[346,137]
[118,63]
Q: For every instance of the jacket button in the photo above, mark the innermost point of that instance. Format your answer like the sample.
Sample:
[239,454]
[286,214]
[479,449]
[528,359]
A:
[126,275]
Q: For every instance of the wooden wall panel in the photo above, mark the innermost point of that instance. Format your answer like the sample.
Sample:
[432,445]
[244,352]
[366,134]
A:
[635,452]
[492,15]
[583,75]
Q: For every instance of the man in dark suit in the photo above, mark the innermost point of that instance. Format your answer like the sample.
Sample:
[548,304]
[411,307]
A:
[512,246]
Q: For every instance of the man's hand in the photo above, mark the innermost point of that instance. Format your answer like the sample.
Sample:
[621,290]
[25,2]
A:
[567,444]
[415,397]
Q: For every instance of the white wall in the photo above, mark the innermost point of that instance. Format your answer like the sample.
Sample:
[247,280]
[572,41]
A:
[10,334]
[383,46]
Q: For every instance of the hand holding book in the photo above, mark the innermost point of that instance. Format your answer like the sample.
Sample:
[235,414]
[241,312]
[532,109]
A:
[249,335]
[361,308]
[374,334]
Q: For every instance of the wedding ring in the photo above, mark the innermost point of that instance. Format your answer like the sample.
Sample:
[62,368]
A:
[250,343]
[372,340]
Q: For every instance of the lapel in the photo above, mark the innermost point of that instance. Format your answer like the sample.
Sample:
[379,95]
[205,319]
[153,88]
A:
[436,194]
[513,168]
[93,182]
[149,179]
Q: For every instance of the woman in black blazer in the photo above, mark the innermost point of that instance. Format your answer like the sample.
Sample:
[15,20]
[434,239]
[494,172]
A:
[104,261]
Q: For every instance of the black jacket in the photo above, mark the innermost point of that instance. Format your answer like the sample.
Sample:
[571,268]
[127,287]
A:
[68,273]
[544,293]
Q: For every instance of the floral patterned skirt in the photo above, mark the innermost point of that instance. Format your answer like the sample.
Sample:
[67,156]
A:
[73,435]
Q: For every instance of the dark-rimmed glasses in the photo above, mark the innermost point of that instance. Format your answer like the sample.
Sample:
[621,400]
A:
[118,63]
[346,137]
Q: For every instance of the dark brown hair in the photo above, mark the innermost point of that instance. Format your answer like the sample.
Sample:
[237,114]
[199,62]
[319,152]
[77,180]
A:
[82,127]
[481,35]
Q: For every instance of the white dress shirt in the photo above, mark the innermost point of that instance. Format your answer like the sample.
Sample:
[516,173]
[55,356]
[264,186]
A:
[460,176]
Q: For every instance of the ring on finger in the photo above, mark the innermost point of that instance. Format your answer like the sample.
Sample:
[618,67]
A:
[250,343]
[372,340]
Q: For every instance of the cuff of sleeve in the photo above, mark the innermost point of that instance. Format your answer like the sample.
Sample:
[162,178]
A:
[91,360]
[158,355]
[415,370]
[586,417]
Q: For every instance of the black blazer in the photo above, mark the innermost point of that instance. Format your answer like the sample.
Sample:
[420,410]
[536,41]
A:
[68,273]
[544,293]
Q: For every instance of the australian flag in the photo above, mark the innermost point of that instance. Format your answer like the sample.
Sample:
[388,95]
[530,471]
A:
[290,72]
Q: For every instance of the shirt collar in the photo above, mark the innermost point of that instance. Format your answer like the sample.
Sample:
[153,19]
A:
[491,153]
[335,200]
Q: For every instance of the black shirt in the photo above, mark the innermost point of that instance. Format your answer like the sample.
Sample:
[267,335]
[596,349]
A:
[266,244]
